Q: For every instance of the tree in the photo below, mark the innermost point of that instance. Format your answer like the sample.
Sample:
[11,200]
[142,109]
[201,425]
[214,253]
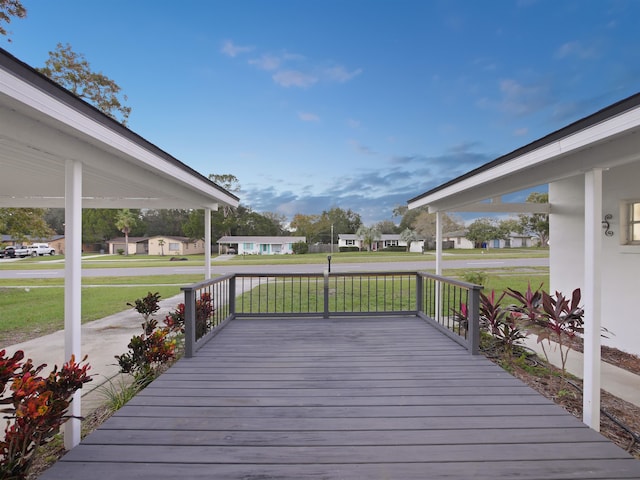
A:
[72,71]
[482,230]
[387,226]
[409,236]
[22,223]
[163,222]
[55,219]
[161,244]
[194,226]
[98,225]
[425,224]
[368,235]
[278,219]
[231,184]
[306,226]
[536,223]
[9,9]
[125,220]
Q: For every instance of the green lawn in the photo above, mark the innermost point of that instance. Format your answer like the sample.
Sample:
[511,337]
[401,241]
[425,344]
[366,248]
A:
[109,295]
[102,296]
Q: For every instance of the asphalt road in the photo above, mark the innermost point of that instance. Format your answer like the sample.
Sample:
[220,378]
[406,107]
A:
[222,268]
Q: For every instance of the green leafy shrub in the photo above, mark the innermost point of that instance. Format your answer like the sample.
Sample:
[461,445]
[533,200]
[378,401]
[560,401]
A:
[300,248]
[349,249]
[475,277]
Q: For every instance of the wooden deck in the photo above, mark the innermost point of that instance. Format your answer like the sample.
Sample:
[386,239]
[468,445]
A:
[340,399]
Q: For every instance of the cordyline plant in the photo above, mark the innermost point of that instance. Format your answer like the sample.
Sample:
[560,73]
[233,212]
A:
[561,319]
[504,325]
[36,408]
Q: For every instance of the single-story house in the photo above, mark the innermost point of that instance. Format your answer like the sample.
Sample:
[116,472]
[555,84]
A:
[136,245]
[164,245]
[386,240]
[256,245]
[592,168]
[458,239]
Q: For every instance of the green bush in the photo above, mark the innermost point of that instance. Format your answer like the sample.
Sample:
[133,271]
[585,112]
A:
[349,249]
[299,248]
[475,277]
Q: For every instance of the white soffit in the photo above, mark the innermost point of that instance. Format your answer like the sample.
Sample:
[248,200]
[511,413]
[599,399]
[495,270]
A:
[606,144]
[39,132]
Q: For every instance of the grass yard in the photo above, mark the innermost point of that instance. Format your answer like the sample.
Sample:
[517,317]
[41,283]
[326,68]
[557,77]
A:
[36,306]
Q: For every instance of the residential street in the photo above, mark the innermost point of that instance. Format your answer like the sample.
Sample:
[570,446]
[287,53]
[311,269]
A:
[219,268]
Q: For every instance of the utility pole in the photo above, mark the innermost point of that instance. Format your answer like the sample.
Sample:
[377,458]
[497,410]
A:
[332,239]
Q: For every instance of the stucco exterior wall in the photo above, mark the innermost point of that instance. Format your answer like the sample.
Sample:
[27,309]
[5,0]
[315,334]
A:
[620,263]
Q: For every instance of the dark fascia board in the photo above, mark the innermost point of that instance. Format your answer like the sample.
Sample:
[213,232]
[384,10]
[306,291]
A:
[31,75]
[586,122]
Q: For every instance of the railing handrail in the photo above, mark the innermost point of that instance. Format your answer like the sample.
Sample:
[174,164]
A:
[426,287]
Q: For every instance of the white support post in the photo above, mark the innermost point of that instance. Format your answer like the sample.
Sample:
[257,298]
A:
[73,287]
[592,296]
[438,243]
[438,291]
[207,244]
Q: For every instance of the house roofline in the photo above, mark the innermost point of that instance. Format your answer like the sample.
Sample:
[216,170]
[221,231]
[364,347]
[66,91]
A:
[601,115]
[30,75]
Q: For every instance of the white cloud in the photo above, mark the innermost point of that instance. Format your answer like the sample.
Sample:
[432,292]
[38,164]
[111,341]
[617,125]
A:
[353,123]
[361,148]
[266,62]
[308,117]
[521,131]
[575,49]
[294,78]
[232,50]
[340,74]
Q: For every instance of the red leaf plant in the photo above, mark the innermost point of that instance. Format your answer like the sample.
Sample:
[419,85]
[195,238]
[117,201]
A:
[36,408]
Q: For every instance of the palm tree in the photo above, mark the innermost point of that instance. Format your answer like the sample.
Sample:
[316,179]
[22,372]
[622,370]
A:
[161,243]
[368,235]
[125,219]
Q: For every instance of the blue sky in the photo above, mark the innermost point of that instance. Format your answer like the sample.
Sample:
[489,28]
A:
[358,104]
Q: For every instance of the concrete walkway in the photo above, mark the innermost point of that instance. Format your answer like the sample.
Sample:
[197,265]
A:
[615,380]
[101,341]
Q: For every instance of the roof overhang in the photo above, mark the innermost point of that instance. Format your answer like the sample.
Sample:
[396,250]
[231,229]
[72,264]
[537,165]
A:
[43,125]
[606,139]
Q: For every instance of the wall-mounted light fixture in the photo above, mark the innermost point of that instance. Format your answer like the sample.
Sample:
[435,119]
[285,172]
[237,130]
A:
[607,225]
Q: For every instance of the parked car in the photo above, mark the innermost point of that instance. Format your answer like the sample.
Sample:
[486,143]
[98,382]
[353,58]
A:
[40,249]
[8,252]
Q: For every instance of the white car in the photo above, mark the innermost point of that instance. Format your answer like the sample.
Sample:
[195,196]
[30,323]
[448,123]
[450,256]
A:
[40,249]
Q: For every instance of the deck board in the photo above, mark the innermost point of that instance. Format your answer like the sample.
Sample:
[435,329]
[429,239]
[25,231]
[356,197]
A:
[354,398]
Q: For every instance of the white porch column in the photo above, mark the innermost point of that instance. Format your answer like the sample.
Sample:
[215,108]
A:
[438,243]
[73,287]
[592,296]
[207,244]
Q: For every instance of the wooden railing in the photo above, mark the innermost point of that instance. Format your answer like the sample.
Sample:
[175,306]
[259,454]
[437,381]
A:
[449,305]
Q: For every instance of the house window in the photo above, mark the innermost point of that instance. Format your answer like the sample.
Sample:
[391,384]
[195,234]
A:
[391,243]
[350,242]
[247,246]
[174,247]
[634,223]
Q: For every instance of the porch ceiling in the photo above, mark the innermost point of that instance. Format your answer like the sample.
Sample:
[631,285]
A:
[42,126]
[607,139]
